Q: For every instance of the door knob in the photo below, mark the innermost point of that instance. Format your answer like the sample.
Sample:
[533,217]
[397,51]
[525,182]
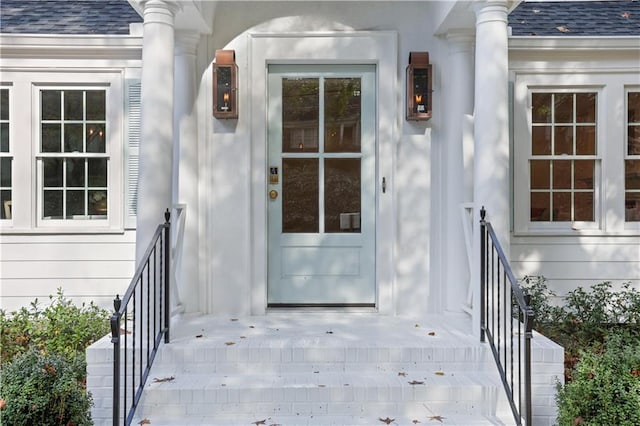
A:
[273,194]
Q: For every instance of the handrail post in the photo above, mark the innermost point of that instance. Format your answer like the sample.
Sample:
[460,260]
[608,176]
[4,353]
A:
[115,339]
[528,326]
[167,276]
[483,254]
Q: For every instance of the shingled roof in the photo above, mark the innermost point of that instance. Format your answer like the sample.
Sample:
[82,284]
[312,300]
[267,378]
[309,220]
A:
[66,16]
[576,18]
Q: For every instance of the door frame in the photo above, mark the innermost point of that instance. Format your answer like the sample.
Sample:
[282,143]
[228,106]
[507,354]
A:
[339,48]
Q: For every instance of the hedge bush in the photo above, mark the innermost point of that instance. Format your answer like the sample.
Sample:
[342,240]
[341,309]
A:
[43,362]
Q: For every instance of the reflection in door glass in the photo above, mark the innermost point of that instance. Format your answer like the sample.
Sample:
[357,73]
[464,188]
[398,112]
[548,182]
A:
[300,114]
[342,195]
[300,195]
[342,115]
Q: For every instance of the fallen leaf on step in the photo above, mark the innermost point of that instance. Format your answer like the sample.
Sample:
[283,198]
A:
[145,422]
[199,336]
[329,332]
[322,386]
[229,343]
[432,333]
[416,382]
[436,418]
[415,422]
[234,319]
[402,373]
[164,379]
[417,325]
[439,373]
[387,420]
[252,326]
[243,337]
[260,422]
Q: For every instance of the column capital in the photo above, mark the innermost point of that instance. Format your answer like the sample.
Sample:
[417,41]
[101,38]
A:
[491,10]
[460,40]
[186,42]
[160,11]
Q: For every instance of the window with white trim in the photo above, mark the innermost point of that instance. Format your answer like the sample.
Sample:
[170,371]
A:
[73,154]
[563,158]
[66,153]
[632,159]
[6,158]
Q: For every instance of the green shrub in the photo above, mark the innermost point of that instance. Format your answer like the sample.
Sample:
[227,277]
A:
[62,328]
[45,389]
[605,389]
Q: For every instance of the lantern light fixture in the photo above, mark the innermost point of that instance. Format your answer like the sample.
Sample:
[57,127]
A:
[225,89]
[419,79]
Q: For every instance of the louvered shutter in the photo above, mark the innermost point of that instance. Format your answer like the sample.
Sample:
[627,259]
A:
[132,150]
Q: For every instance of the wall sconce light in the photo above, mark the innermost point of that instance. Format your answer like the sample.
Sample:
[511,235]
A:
[225,72]
[419,77]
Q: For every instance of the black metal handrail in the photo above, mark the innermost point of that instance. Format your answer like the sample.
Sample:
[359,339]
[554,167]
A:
[139,323]
[506,321]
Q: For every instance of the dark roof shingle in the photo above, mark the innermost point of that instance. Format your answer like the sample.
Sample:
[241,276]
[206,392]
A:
[66,16]
[576,18]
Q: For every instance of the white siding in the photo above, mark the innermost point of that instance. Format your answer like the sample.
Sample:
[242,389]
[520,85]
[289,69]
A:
[569,262]
[89,267]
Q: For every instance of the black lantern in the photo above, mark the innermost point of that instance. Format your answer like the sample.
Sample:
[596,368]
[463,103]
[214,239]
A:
[225,71]
[419,75]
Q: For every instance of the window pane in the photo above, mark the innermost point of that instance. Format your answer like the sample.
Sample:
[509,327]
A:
[342,115]
[51,104]
[4,104]
[632,207]
[561,207]
[95,138]
[540,176]
[51,138]
[300,189]
[586,140]
[73,105]
[52,204]
[5,172]
[73,138]
[563,108]
[632,174]
[98,203]
[75,172]
[300,114]
[98,172]
[5,200]
[633,105]
[562,174]
[584,174]
[96,105]
[342,195]
[52,172]
[540,207]
[541,140]
[563,143]
[633,140]
[75,203]
[541,112]
[585,107]
[4,137]
[583,206]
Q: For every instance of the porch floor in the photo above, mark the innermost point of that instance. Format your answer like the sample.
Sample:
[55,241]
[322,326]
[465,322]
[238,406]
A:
[321,368]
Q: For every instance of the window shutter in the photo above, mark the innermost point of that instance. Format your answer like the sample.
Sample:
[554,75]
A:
[132,150]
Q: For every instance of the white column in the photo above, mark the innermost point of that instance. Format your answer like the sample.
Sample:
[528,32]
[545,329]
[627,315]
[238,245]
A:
[491,129]
[459,84]
[185,168]
[156,145]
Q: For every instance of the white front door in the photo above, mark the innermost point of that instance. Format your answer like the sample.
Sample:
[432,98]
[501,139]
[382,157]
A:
[321,185]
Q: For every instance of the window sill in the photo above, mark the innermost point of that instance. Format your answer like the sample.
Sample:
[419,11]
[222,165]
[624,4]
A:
[8,230]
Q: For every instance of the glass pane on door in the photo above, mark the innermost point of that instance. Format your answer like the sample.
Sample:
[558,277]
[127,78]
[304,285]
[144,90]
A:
[342,195]
[300,114]
[300,195]
[342,114]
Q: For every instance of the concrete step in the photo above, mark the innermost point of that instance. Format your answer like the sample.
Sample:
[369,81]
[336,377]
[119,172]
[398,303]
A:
[321,394]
